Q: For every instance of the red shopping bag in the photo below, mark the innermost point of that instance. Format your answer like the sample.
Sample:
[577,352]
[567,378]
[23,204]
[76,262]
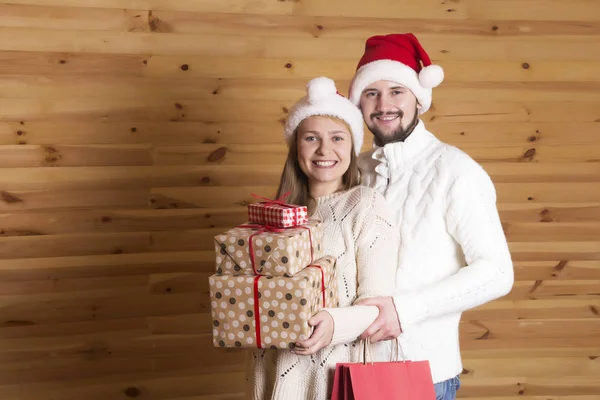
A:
[398,380]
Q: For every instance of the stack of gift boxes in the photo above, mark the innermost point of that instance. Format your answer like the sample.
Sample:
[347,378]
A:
[271,277]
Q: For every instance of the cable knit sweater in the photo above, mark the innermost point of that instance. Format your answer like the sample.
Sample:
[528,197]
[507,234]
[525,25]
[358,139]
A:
[453,254]
[359,231]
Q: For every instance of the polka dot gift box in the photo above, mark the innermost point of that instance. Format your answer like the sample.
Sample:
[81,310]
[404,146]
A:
[270,311]
[253,249]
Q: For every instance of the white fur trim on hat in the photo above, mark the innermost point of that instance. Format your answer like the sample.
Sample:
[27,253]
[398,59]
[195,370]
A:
[323,100]
[394,71]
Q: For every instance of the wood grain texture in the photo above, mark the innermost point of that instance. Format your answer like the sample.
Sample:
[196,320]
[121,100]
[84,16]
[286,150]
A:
[134,131]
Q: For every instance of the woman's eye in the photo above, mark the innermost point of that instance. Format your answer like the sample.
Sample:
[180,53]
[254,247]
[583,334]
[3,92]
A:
[310,138]
[338,138]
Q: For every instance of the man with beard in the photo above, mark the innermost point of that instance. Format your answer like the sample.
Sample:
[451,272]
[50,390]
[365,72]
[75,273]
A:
[453,253]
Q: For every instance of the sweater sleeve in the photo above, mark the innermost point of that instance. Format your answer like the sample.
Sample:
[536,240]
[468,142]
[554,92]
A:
[473,221]
[376,239]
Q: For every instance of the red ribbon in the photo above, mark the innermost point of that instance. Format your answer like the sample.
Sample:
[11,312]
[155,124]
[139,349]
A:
[267,228]
[257,304]
[261,229]
[256,312]
[279,201]
[322,280]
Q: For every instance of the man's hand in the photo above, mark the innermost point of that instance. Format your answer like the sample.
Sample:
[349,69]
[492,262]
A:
[321,336]
[387,325]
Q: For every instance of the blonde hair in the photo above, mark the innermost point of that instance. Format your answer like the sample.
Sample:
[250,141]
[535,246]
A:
[295,181]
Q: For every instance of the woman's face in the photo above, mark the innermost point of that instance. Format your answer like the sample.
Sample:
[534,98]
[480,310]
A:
[324,151]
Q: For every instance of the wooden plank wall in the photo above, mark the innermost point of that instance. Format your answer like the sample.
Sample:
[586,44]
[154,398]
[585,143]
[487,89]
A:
[132,131]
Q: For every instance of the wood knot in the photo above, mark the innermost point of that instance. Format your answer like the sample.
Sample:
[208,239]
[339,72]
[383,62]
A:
[205,180]
[288,65]
[185,67]
[485,336]
[495,28]
[134,129]
[319,27]
[132,392]
[525,65]
[529,154]
[62,61]
[10,198]
[217,155]
[178,106]
[545,216]
[106,219]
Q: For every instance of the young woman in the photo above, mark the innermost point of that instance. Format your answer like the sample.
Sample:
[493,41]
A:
[324,133]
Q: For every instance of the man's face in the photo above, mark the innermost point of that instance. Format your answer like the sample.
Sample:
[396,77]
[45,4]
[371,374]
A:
[390,111]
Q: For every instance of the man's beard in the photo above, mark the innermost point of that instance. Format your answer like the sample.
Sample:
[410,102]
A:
[399,135]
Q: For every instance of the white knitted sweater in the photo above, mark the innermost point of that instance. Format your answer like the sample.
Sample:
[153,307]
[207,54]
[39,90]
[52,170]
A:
[359,231]
[453,254]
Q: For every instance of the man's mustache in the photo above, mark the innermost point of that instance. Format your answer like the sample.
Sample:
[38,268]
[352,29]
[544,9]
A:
[380,113]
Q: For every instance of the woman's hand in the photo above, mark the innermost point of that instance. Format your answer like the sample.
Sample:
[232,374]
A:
[321,336]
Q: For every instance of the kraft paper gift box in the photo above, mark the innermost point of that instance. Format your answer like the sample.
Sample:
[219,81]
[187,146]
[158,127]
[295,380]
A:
[270,311]
[253,249]
[277,214]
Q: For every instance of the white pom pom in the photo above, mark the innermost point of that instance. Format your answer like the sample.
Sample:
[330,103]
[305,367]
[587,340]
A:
[431,76]
[320,88]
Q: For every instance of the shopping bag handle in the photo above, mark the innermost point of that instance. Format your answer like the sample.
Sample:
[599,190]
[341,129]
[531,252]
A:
[366,351]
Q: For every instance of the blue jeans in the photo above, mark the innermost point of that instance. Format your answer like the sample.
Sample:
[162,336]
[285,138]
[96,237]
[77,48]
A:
[447,390]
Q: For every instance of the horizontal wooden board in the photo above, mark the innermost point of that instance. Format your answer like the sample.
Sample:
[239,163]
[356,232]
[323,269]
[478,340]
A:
[58,178]
[541,251]
[558,269]
[178,78]
[182,133]
[69,64]
[16,110]
[442,47]
[30,244]
[549,212]
[66,156]
[31,225]
[208,197]
[81,178]
[26,269]
[558,308]
[19,200]
[578,10]
[427,8]
[362,26]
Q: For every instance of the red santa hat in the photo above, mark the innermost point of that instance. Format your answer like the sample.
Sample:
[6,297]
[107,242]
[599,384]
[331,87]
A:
[323,99]
[397,58]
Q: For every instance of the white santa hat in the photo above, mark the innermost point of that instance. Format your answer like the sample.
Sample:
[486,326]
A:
[323,99]
[397,58]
